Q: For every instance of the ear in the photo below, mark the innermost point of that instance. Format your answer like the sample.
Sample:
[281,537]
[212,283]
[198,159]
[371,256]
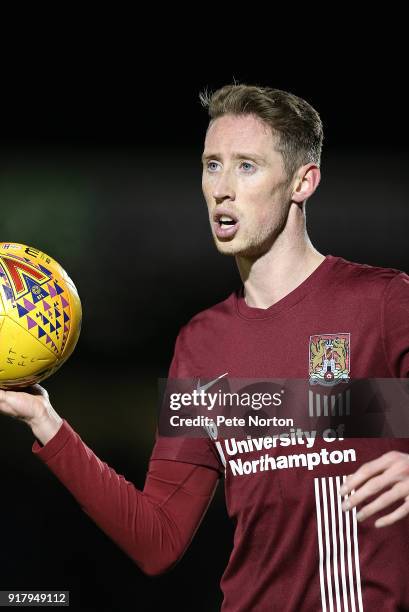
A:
[306,182]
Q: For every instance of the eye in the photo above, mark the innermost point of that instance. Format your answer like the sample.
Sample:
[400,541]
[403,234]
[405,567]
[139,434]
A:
[247,167]
[212,166]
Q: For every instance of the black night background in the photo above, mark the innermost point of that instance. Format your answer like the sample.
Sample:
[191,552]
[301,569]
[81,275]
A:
[100,167]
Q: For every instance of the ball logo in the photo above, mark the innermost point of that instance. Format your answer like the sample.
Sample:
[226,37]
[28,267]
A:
[329,358]
[21,274]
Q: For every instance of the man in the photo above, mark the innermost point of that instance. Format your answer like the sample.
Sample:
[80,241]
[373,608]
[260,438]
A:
[297,314]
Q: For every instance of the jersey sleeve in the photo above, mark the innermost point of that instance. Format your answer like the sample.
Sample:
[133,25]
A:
[154,526]
[194,450]
[395,325]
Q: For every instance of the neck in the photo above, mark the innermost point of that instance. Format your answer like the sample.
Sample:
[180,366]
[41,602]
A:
[288,262]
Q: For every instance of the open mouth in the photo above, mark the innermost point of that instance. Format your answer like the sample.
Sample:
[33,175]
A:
[225,221]
[226,225]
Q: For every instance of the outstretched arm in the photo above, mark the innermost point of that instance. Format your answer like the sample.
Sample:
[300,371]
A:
[154,526]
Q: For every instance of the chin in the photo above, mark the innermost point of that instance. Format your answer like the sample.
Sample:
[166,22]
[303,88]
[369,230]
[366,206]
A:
[235,247]
[226,248]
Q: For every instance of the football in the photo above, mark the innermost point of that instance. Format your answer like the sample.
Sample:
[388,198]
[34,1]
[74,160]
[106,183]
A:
[40,315]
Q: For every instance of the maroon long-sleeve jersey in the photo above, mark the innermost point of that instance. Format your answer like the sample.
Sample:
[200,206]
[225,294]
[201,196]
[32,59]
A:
[294,548]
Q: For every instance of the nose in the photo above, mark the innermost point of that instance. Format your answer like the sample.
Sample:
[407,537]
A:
[223,188]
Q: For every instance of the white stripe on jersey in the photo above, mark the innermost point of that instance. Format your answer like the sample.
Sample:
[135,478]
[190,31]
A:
[339,571]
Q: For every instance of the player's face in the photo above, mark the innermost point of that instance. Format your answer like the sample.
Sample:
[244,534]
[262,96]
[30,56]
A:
[244,184]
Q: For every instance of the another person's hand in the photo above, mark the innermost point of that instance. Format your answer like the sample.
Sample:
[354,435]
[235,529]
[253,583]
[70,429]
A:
[32,406]
[388,475]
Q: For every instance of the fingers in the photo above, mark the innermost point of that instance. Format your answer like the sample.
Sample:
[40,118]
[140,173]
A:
[397,515]
[370,488]
[368,470]
[399,491]
[390,471]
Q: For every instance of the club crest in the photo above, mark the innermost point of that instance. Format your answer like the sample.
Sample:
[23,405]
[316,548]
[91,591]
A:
[329,361]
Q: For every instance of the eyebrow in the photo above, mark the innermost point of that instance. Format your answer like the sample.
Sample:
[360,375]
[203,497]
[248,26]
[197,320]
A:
[252,156]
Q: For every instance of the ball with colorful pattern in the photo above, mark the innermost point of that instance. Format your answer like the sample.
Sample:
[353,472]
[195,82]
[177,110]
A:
[40,315]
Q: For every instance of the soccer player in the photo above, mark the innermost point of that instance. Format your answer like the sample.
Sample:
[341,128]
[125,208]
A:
[299,543]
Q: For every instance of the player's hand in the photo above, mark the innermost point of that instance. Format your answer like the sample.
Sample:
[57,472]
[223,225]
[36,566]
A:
[389,476]
[33,407]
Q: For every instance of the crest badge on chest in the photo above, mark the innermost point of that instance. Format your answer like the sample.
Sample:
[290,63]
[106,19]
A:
[329,359]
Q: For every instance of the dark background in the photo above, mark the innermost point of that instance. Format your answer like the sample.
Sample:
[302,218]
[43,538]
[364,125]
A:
[100,168]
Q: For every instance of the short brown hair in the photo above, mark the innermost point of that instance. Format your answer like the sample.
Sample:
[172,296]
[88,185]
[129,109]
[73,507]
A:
[296,123]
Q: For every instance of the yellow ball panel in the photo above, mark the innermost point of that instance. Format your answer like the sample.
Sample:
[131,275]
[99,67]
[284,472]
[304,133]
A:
[22,357]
